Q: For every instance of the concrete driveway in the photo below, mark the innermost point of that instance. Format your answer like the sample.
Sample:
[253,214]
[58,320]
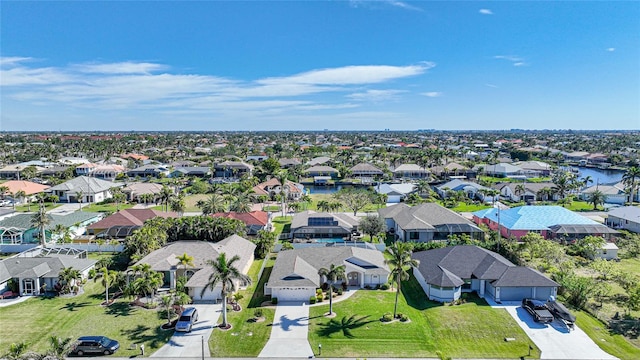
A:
[182,345]
[289,332]
[555,340]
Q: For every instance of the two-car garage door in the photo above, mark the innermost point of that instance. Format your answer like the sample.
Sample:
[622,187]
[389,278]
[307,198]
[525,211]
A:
[293,293]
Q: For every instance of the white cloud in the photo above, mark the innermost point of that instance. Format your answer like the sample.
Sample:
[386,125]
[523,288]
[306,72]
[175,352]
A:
[611,49]
[380,3]
[150,87]
[491,85]
[514,59]
[376,95]
[485,12]
[13,60]
[127,67]
[404,5]
[432,94]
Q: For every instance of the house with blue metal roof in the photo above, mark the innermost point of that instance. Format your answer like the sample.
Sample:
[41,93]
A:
[552,222]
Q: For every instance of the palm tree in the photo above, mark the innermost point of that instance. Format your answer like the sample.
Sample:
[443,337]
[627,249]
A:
[597,198]
[69,277]
[520,189]
[20,194]
[213,204]
[185,261]
[79,195]
[16,350]
[41,220]
[59,347]
[629,180]
[332,274]
[399,257]
[165,196]
[224,273]
[108,278]
[167,301]
[4,190]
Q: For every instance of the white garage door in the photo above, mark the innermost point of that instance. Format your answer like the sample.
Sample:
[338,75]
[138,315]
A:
[207,296]
[293,294]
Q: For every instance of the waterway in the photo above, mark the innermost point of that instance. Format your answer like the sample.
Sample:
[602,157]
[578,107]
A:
[600,176]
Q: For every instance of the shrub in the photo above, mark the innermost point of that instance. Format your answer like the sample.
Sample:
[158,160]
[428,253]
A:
[344,286]
[384,286]
[312,299]
[257,313]
[399,315]
[404,318]
[368,287]
[387,317]
[339,291]
[318,292]
[325,286]
[92,273]
[319,298]
[151,305]
[274,300]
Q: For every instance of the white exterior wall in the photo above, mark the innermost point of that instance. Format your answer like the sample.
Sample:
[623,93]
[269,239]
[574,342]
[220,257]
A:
[610,254]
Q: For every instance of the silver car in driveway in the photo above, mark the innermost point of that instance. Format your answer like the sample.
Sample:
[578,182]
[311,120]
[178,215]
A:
[188,317]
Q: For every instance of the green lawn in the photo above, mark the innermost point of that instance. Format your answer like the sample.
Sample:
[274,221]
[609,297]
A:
[281,224]
[33,207]
[471,330]
[106,208]
[615,345]
[245,338]
[462,207]
[191,200]
[35,320]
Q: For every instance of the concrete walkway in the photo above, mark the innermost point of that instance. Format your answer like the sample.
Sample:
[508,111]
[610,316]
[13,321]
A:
[554,340]
[289,332]
[193,344]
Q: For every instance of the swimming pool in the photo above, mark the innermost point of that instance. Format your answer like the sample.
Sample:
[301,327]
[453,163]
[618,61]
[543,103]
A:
[331,240]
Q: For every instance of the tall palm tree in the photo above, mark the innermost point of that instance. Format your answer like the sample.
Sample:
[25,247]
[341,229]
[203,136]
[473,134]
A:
[520,189]
[79,194]
[68,278]
[108,278]
[332,274]
[165,196]
[399,258]
[20,195]
[41,220]
[227,275]
[629,179]
[283,176]
[59,347]
[215,203]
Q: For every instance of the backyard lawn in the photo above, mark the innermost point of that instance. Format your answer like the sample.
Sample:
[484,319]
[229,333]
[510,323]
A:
[37,319]
[471,330]
[246,338]
[106,208]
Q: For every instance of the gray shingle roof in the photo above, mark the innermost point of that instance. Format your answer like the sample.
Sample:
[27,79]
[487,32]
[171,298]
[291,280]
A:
[306,262]
[23,221]
[449,266]
[50,267]
[88,185]
[428,216]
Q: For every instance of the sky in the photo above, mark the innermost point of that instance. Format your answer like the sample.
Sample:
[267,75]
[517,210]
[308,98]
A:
[314,65]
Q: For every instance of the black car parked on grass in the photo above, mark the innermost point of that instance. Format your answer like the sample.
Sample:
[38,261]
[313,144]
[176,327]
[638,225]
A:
[538,310]
[95,345]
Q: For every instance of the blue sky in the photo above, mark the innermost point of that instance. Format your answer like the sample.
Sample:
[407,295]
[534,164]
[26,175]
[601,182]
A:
[307,65]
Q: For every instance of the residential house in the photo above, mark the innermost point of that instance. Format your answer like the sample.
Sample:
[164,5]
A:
[55,171]
[19,228]
[410,171]
[107,172]
[471,189]
[608,251]
[446,273]
[135,191]
[33,274]
[534,168]
[272,188]
[196,171]
[73,161]
[232,169]
[29,188]
[502,170]
[165,260]
[295,273]
[365,170]
[626,218]
[552,222]
[453,170]
[613,194]
[182,163]
[426,222]
[124,222]
[313,225]
[254,220]
[289,163]
[84,189]
[320,160]
[395,192]
[322,170]
[532,191]
[15,171]
[149,171]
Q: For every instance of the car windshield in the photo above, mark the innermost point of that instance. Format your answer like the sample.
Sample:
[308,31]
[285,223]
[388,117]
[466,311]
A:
[185,318]
[105,341]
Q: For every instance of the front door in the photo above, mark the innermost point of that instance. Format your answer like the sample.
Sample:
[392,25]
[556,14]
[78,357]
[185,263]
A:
[28,287]
[353,279]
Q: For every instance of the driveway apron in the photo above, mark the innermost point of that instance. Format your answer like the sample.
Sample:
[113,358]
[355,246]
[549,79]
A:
[555,340]
[289,332]
[183,345]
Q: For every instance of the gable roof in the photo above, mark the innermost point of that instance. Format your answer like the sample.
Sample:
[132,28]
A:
[24,221]
[429,216]
[631,213]
[306,262]
[23,267]
[450,266]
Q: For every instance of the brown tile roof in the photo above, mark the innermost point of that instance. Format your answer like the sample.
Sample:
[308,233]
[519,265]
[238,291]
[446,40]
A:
[130,217]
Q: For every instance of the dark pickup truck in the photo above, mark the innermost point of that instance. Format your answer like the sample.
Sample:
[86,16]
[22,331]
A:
[538,309]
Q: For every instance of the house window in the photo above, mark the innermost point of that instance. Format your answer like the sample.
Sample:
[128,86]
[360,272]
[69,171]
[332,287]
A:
[414,235]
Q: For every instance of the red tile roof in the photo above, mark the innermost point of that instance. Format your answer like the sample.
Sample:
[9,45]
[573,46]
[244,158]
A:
[28,187]
[250,218]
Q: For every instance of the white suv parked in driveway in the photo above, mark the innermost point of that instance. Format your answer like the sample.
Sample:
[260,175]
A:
[5,202]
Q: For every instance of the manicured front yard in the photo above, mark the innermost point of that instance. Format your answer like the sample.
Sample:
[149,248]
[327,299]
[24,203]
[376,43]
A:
[36,320]
[106,208]
[471,330]
[246,338]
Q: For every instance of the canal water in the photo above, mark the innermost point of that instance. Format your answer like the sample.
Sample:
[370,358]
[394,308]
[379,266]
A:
[600,176]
